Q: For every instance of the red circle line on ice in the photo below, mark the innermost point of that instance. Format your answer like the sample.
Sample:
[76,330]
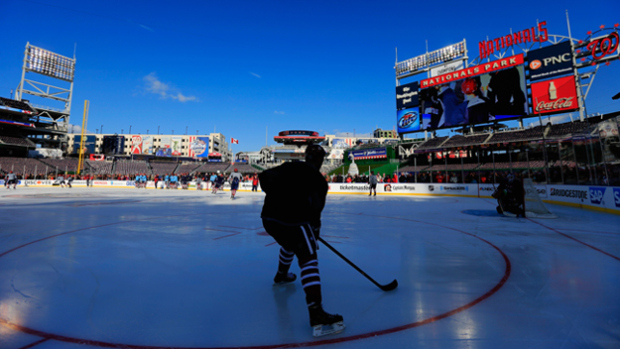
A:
[51,336]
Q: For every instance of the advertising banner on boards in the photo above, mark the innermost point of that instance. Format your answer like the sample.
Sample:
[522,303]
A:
[550,61]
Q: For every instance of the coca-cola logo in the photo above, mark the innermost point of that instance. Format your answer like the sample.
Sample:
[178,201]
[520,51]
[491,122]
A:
[560,103]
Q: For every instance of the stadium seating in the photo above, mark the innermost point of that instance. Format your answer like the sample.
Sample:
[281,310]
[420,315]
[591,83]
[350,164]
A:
[566,129]
[211,167]
[63,165]
[18,165]
[433,143]
[18,141]
[100,167]
[529,134]
[241,168]
[11,103]
[131,167]
[188,167]
[163,168]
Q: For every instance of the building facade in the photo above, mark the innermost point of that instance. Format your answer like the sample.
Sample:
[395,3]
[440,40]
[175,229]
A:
[199,146]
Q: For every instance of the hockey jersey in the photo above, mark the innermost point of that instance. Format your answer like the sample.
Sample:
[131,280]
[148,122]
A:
[296,193]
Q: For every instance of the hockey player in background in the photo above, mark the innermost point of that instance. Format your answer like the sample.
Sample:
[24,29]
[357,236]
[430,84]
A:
[234,179]
[218,183]
[510,197]
[292,216]
[11,178]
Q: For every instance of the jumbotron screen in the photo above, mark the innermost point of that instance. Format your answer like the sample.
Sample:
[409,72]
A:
[474,95]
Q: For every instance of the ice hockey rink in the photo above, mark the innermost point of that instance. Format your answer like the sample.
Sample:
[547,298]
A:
[137,268]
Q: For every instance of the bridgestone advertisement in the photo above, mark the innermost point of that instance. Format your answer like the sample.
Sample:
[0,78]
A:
[599,198]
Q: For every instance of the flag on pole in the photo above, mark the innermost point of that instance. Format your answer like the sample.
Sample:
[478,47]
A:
[234,141]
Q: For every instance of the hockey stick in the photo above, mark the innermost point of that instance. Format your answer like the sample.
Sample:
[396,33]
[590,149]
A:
[392,285]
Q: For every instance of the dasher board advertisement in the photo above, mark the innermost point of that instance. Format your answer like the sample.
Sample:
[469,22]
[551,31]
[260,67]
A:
[554,96]
[550,61]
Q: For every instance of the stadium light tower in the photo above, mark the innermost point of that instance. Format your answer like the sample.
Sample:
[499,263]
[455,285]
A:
[38,61]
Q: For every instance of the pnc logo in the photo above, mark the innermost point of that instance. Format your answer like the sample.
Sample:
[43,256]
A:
[535,64]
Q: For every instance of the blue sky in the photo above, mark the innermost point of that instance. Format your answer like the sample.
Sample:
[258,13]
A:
[251,69]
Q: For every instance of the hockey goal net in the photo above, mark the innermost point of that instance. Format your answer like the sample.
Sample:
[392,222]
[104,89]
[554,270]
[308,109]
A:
[534,206]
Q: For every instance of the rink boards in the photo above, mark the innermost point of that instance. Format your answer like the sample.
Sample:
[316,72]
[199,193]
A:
[599,198]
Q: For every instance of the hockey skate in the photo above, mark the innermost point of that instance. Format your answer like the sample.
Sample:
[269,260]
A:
[323,323]
[282,279]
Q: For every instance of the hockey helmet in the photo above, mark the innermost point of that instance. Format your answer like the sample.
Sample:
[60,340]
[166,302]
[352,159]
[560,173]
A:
[236,170]
[469,86]
[314,153]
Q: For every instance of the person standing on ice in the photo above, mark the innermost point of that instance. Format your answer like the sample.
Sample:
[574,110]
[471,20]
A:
[291,214]
[234,179]
[372,182]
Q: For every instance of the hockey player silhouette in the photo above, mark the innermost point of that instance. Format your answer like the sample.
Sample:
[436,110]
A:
[292,216]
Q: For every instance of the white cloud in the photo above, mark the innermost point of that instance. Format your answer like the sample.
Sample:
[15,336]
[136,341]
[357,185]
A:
[278,112]
[255,75]
[155,86]
[145,27]
[76,129]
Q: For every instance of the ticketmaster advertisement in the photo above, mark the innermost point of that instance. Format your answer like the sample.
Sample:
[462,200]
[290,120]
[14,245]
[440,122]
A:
[600,198]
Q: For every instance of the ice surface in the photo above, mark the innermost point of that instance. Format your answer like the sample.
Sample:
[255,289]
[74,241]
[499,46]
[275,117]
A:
[134,267]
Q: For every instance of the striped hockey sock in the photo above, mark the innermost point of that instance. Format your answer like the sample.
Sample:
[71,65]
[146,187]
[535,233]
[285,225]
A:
[311,282]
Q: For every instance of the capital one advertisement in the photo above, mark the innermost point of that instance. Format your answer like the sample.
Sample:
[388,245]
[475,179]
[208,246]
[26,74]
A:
[554,96]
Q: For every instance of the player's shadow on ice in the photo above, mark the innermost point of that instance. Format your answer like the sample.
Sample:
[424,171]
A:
[483,213]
